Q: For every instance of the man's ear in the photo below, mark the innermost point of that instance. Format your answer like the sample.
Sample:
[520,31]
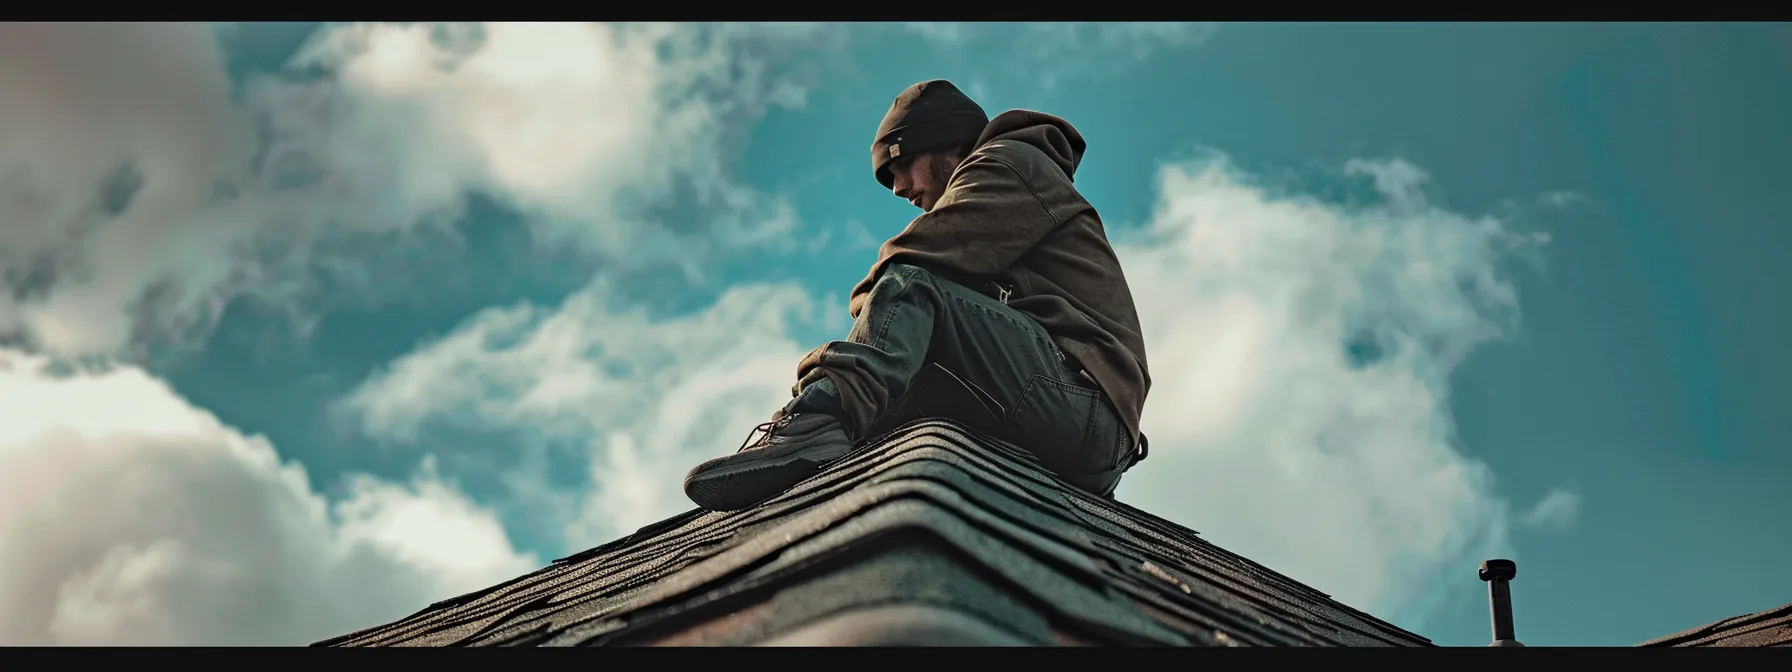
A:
[962,152]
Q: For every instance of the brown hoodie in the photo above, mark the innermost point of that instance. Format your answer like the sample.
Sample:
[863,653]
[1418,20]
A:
[1011,216]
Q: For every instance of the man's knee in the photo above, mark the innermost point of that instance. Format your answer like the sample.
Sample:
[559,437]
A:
[899,279]
[906,273]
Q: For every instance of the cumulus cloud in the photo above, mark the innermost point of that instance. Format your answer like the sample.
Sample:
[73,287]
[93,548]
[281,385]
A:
[1301,349]
[640,399]
[1301,353]
[142,190]
[129,517]
[112,141]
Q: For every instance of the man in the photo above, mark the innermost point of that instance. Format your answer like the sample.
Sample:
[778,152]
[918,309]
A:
[1006,279]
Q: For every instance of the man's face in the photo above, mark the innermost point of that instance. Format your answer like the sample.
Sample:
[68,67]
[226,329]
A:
[921,179]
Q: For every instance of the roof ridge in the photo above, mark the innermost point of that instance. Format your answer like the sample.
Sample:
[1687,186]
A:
[934,501]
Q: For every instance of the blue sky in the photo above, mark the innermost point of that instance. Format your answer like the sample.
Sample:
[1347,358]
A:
[309,326]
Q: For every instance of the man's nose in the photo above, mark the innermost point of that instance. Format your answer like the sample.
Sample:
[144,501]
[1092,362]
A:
[902,187]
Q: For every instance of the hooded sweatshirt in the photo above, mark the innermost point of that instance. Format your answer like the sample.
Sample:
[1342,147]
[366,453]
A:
[1010,215]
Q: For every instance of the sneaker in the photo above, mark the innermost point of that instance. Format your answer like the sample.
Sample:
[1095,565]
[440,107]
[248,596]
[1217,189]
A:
[791,447]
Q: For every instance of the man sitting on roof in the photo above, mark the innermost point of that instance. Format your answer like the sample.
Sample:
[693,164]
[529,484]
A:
[1006,279]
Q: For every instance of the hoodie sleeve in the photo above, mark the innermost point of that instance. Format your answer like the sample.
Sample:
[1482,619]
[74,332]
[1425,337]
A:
[990,215]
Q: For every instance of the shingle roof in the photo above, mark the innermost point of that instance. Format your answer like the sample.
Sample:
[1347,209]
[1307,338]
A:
[936,534]
[1768,628]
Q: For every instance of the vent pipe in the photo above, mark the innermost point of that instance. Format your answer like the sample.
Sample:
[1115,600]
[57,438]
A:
[1497,573]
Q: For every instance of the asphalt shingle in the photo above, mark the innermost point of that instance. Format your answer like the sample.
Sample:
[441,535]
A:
[935,534]
[1767,628]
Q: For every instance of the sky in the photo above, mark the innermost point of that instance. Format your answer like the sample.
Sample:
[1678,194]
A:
[308,326]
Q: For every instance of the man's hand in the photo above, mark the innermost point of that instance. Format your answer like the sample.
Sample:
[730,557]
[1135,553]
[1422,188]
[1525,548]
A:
[806,370]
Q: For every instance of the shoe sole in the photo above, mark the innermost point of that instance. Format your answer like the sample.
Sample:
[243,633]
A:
[733,487]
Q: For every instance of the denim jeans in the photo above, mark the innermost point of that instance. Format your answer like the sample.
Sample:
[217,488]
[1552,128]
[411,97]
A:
[1048,405]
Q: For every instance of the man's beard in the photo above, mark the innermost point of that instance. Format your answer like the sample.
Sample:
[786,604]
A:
[941,170]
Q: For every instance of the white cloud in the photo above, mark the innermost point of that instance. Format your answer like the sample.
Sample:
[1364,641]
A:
[1266,437]
[1049,51]
[646,399]
[1301,353]
[564,120]
[588,129]
[129,517]
[84,102]
[1556,510]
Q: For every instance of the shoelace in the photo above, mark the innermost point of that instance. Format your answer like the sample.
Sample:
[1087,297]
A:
[767,427]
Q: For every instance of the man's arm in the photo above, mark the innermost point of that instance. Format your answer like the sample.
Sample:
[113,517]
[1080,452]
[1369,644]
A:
[990,215]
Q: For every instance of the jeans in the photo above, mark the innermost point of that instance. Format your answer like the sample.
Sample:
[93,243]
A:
[1049,406]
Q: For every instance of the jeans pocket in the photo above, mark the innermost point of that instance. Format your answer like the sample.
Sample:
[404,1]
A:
[1069,426]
